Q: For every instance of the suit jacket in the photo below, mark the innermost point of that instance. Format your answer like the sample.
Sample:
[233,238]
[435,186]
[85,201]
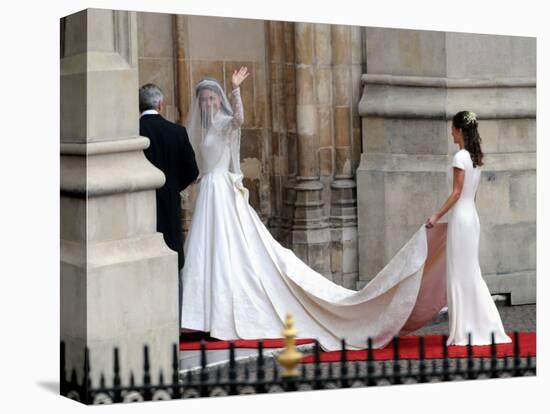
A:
[171,152]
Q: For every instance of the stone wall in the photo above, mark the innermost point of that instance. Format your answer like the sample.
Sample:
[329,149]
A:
[301,137]
[178,51]
[414,83]
[156,57]
[336,114]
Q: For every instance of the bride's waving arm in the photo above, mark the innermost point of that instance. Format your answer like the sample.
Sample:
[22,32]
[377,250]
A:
[237,106]
[236,102]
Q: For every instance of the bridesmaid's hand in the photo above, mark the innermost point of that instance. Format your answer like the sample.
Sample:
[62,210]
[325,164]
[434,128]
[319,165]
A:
[239,76]
[431,221]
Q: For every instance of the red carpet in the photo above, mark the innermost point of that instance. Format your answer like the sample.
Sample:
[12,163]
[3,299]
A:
[408,348]
[240,343]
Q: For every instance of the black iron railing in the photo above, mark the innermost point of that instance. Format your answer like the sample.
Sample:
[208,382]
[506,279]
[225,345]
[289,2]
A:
[265,375]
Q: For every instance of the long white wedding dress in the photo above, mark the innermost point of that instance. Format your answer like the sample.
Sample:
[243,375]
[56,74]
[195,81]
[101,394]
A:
[238,282]
[471,308]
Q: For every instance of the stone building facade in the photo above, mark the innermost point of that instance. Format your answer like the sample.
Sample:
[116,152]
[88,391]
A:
[346,144]
[345,150]
[301,139]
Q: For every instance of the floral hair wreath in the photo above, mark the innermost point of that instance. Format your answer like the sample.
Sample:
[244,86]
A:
[470,118]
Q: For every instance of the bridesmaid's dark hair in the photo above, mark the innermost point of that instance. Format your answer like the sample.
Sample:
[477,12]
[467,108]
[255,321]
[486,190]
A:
[467,122]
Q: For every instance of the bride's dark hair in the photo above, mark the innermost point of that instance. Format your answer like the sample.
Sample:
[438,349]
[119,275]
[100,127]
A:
[467,122]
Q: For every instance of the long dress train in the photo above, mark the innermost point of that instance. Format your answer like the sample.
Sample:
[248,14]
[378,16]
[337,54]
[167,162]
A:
[239,282]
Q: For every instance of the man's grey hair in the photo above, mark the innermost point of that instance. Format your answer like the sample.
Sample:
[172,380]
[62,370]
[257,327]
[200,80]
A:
[150,97]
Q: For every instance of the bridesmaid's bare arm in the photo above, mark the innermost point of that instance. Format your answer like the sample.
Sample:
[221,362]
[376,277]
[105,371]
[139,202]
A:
[458,184]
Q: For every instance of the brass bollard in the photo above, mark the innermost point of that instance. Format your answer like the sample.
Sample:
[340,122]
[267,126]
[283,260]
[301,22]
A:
[290,357]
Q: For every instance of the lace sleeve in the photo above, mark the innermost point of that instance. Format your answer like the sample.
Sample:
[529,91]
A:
[237,104]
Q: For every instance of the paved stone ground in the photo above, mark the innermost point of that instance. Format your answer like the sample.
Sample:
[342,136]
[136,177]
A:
[514,318]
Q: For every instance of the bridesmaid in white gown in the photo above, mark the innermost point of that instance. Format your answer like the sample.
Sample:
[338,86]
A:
[471,308]
[238,282]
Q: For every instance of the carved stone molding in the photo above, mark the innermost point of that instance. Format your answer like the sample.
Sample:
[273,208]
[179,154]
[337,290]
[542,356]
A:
[390,96]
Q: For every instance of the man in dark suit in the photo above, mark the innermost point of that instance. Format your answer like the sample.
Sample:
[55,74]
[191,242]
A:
[171,152]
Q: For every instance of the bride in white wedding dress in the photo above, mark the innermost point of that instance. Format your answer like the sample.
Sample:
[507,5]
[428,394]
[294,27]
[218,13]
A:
[238,282]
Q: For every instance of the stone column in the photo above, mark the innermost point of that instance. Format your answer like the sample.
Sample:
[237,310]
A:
[324,96]
[343,214]
[156,55]
[310,235]
[184,93]
[289,77]
[183,78]
[358,67]
[276,47]
[118,278]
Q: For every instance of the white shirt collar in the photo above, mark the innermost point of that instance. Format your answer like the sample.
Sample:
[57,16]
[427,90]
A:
[149,112]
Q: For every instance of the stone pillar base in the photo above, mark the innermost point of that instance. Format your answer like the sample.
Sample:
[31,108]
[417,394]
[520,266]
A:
[520,285]
[310,231]
[343,220]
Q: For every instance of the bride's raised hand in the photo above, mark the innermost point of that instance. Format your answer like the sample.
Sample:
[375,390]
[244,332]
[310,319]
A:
[239,76]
